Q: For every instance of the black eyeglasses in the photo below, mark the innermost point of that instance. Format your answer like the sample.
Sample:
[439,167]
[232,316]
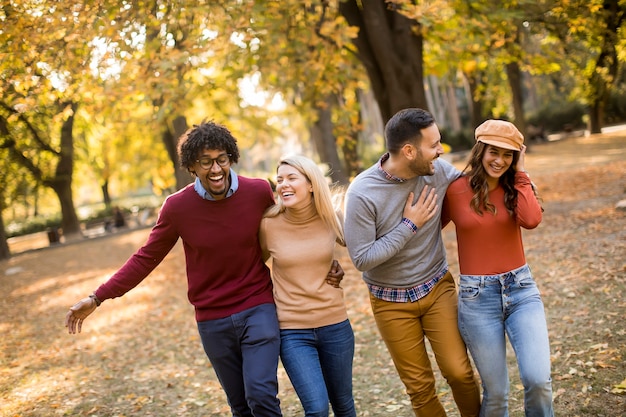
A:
[222,160]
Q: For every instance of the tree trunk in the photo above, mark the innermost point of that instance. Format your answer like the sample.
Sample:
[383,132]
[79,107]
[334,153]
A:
[390,47]
[369,141]
[5,253]
[106,196]
[607,64]
[326,144]
[514,75]
[350,146]
[69,220]
[170,140]
[62,181]
[476,102]
[35,200]
[351,158]
[596,116]
[452,105]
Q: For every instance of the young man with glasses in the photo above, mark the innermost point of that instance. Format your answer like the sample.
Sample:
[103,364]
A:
[217,217]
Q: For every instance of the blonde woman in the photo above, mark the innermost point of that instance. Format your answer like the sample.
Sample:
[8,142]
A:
[299,234]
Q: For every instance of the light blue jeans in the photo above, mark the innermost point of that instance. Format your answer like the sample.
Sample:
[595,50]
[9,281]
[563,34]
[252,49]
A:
[491,305]
[318,362]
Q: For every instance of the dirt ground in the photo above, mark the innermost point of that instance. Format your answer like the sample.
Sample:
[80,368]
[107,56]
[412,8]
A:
[140,355]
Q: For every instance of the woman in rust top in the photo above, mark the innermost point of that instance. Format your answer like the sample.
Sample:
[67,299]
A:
[489,205]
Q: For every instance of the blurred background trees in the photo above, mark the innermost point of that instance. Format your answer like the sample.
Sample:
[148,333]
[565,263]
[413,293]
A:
[94,96]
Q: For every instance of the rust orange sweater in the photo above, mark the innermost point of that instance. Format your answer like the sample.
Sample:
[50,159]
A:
[490,244]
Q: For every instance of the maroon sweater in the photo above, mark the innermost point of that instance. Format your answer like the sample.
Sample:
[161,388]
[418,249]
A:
[225,269]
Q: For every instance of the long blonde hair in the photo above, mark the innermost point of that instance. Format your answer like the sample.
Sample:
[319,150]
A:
[322,194]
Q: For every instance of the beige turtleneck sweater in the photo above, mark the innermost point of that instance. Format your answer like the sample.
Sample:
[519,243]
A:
[302,250]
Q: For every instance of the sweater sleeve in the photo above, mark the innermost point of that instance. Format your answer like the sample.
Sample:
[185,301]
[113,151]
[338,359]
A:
[162,239]
[528,210]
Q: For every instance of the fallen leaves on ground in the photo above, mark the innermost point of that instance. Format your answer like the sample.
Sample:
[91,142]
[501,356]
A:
[140,355]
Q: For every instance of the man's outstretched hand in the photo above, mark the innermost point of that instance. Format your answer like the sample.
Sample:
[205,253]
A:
[78,313]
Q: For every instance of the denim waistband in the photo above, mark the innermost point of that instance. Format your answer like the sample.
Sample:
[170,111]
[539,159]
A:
[497,278]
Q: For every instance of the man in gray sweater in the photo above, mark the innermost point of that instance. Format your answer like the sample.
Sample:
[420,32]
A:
[393,235]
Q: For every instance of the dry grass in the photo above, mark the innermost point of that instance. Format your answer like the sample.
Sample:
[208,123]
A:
[140,355]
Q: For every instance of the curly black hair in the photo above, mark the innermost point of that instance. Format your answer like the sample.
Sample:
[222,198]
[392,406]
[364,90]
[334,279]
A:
[206,135]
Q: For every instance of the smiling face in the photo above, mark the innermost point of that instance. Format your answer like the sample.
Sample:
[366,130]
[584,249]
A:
[215,179]
[292,187]
[496,161]
[428,150]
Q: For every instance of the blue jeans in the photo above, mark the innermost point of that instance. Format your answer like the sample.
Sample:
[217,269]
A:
[319,364]
[491,305]
[243,349]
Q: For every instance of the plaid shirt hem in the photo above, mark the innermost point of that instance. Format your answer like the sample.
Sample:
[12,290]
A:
[404,295]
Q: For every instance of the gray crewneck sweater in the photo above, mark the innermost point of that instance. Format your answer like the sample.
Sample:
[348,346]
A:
[388,252]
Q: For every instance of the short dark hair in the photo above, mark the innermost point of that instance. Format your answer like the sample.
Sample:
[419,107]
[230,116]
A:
[406,126]
[206,135]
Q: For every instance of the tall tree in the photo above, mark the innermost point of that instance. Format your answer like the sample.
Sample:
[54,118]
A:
[497,46]
[5,252]
[45,79]
[5,183]
[326,143]
[390,47]
[300,50]
[590,33]
[179,56]
[607,64]
[59,179]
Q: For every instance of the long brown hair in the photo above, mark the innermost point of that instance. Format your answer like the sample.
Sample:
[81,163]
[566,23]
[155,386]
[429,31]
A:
[478,182]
